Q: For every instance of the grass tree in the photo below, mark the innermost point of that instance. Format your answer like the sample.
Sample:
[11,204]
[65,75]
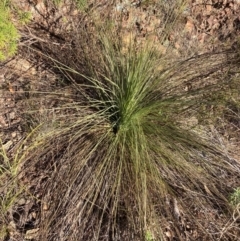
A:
[125,151]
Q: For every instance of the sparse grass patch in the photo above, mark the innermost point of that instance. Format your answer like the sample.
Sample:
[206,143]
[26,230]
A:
[10,186]
[81,4]
[24,17]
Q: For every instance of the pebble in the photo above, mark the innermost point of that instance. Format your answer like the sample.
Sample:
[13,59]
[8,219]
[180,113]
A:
[12,115]
[31,234]
[7,145]
[119,7]
[12,225]
[14,134]
[45,207]
[21,201]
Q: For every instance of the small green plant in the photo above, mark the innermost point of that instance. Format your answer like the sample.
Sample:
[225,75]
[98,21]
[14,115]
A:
[57,2]
[235,197]
[24,17]
[149,236]
[81,4]
[8,33]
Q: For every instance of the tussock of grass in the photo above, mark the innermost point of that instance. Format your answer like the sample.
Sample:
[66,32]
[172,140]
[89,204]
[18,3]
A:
[122,158]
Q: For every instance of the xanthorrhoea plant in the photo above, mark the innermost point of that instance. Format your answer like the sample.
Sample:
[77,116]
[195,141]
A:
[123,150]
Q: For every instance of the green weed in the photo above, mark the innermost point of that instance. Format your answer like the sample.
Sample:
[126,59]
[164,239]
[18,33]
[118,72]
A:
[235,197]
[149,236]
[81,4]
[8,33]
[24,17]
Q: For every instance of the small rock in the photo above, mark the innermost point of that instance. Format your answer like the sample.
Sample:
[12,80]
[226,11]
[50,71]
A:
[168,234]
[119,7]
[2,78]
[7,145]
[12,225]
[12,115]
[45,206]
[3,123]
[31,234]
[21,201]
[34,215]
[14,134]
